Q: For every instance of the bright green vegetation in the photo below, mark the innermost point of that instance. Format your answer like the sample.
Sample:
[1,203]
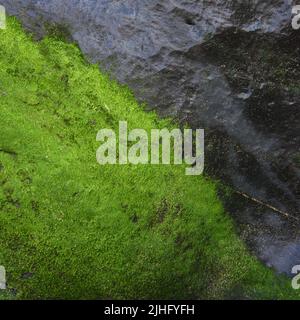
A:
[70,228]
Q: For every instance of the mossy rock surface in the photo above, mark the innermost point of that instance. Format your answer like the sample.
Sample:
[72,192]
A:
[70,228]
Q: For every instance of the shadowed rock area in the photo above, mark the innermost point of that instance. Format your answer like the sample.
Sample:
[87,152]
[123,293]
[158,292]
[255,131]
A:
[231,67]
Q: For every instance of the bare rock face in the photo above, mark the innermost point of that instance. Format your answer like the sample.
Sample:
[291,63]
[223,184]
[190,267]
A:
[231,67]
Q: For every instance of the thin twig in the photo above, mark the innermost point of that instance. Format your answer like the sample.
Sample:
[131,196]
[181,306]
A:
[12,153]
[267,205]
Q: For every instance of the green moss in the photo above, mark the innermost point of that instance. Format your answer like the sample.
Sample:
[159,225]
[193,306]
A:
[70,228]
[297,159]
[58,32]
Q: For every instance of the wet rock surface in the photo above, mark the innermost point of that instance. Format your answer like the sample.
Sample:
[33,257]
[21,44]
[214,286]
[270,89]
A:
[231,67]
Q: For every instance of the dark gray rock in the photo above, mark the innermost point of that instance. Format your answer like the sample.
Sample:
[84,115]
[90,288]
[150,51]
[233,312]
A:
[231,67]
